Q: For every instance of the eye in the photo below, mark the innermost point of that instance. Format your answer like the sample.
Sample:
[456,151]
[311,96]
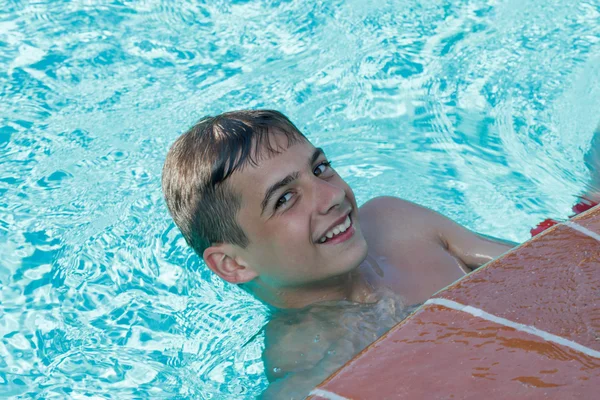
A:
[283,199]
[321,168]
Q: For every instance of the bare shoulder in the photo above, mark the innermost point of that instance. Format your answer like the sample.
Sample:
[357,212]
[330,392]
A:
[390,222]
[392,215]
[383,206]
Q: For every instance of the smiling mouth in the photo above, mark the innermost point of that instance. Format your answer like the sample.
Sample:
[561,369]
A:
[339,233]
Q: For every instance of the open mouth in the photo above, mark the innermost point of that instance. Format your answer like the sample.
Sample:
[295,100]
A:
[338,233]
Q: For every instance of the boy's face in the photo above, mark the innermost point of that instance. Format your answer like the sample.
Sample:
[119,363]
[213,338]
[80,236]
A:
[290,202]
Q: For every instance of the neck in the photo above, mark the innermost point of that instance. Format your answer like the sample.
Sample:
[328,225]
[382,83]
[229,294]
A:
[351,286]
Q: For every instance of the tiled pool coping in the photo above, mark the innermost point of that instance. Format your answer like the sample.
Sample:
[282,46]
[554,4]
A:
[526,325]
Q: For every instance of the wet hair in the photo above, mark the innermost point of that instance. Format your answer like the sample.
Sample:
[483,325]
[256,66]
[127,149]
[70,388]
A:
[194,178]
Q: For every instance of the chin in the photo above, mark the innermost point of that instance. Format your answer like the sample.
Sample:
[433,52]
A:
[354,257]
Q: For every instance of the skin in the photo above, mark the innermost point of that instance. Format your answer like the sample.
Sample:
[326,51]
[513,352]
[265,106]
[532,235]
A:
[399,255]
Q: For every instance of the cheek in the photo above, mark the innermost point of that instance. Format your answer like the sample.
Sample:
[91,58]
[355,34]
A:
[293,231]
[288,233]
[291,242]
[288,250]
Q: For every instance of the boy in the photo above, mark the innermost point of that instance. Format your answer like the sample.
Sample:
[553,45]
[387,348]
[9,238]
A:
[265,210]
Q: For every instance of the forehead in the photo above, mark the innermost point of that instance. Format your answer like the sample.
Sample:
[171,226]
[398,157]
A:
[253,179]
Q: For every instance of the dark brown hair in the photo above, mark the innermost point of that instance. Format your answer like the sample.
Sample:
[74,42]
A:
[194,177]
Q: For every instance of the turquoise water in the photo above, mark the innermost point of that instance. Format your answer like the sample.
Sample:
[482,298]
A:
[481,110]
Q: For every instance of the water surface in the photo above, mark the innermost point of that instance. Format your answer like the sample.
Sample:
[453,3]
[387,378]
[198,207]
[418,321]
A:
[481,110]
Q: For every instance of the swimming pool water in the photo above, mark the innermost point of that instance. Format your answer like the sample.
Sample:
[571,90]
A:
[481,110]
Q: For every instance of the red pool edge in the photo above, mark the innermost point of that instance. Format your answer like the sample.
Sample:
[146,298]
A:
[526,325]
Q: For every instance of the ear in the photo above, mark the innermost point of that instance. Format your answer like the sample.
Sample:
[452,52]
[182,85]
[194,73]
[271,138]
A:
[222,261]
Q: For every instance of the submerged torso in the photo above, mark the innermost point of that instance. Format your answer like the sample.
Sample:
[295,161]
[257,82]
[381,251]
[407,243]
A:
[303,347]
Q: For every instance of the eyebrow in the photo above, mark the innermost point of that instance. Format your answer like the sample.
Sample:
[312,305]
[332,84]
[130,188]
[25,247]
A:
[287,180]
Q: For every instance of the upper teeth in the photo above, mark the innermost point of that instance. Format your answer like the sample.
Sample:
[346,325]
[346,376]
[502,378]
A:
[336,230]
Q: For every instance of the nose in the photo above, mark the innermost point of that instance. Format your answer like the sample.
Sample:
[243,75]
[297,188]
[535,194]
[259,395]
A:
[328,195]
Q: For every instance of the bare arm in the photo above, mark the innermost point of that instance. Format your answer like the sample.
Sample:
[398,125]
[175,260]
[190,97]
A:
[471,248]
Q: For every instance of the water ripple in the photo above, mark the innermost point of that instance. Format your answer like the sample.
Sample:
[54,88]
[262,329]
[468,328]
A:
[479,109]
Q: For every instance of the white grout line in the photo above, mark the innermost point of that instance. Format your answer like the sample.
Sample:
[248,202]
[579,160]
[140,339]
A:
[520,327]
[582,229]
[327,394]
